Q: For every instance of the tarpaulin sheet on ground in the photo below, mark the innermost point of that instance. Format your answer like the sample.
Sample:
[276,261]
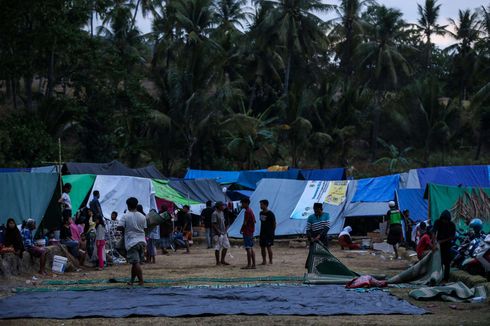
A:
[451,292]
[115,190]
[380,189]
[81,186]
[414,201]
[464,203]
[164,191]
[250,179]
[471,175]
[200,190]
[26,195]
[426,271]
[284,196]
[322,174]
[322,262]
[112,168]
[303,300]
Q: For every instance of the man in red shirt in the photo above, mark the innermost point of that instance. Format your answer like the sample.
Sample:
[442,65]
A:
[248,229]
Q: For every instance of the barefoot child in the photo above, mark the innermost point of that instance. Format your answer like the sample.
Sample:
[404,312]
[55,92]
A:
[100,240]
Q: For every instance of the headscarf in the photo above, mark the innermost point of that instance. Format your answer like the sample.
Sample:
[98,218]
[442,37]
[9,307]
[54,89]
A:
[13,236]
[346,231]
[445,216]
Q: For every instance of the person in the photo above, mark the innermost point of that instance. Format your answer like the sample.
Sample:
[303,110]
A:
[394,229]
[179,240]
[206,221]
[100,240]
[267,230]
[409,225]
[31,248]
[345,240]
[134,224]
[90,235]
[445,232]
[166,229]
[153,239]
[67,240]
[317,225]
[220,236]
[420,230]
[184,220]
[95,204]
[65,199]
[75,231]
[13,238]
[139,208]
[248,229]
[425,245]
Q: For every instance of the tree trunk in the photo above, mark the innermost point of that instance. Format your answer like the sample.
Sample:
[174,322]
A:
[50,87]
[287,73]
[14,93]
[480,140]
[8,87]
[375,129]
[92,23]
[28,92]
[133,21]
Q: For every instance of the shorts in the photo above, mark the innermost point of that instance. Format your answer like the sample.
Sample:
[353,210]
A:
[36,251]
[266,242]
[395,235]
[221,242]
[248,242]
[136,254]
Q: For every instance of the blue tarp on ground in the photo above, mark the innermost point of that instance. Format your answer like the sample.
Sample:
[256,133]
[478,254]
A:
[380,189]
[222,177]
[250,179]
[413,200]
[467,176]
[323,175]
[300,300]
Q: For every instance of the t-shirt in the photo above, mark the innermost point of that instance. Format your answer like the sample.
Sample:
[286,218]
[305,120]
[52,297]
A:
[66,200]
[65,233]
[248,227]
[166,228]
[155,233]
[206,215]
[317,225]
[444,230]
[75,232]
[423,245]
[27,237]
[184,219]
[218,219]
[134,224]
[95,207]
[267,224]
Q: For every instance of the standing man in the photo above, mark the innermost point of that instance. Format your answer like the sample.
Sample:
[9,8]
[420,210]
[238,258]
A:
[220,237]
[267,229]
[65,200]
[445,231]
[206,215]
[95,205]
[248,229]
[394,229]
[134,224]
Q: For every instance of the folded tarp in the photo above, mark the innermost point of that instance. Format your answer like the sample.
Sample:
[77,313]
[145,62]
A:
[451,292]
[164,191]
[112,168]
[115,190]
[464,203]
[26,195]
[323,174]
[414,201]
[301,300]
[222,177]
[81,186]
[283,197]
[466,176]
[250,179]
[380,189]
[322,262]
[426,271]
[200,190]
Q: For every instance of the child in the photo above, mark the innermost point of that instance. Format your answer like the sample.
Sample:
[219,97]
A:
[425,244]
[153,239]
[100,240]
[179,240]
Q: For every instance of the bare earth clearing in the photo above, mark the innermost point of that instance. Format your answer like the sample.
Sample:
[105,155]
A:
[288,262]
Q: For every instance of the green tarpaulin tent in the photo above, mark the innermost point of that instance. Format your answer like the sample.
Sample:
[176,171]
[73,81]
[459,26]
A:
[81,185]
[26,195]
[164,191]
[464,203]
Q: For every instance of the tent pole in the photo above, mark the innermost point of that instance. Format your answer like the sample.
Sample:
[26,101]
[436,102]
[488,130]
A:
[59,167]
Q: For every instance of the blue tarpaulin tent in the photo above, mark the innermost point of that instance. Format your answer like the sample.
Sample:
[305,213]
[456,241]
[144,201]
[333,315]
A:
[380,189]
[222,177]
[467,176]
[413,200]
[324,174]
[249,179]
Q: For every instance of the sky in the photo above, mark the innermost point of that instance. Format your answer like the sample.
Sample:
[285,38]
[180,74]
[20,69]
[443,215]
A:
[449,9]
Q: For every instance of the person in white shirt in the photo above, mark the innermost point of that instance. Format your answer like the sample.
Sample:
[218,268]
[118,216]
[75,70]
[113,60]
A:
[65,199]
[134,224]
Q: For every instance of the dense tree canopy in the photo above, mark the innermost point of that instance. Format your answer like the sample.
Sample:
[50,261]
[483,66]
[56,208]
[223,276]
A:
[236,84]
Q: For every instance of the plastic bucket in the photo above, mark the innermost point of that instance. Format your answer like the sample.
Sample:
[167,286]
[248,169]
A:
[59,264]
[366,243]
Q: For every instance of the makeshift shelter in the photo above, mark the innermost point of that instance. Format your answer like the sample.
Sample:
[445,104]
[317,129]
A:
[414,201]
[167,193]
[111,168]
[250,179]
[292,201]
[467,176]
[28,195]
[115,190]
[81,186]
[323,174]
[200,190]
[222,177]
[464,203]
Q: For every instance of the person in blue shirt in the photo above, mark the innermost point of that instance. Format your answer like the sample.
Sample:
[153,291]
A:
[318,225]
[31,247]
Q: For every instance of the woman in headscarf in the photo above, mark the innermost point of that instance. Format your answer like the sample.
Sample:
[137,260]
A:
[13,238]
[345,240]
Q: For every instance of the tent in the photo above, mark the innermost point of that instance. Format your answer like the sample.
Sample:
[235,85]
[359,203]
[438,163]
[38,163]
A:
[28,195]
[13,170]
[323,174]
[464,203]
[164,191]
[199,190]
[81,186]
[413,200]
[250,179]
[222,177]
[380,189]
[115,190]
[470,175]
[291,202]
[111,168]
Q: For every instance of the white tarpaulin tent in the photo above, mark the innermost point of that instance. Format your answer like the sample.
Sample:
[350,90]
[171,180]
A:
[115,190]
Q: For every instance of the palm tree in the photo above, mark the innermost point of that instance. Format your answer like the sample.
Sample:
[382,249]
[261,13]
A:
[397,158]
[427,25]
[381,56]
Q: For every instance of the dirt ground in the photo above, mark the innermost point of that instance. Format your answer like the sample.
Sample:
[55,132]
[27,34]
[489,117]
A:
[287,262]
